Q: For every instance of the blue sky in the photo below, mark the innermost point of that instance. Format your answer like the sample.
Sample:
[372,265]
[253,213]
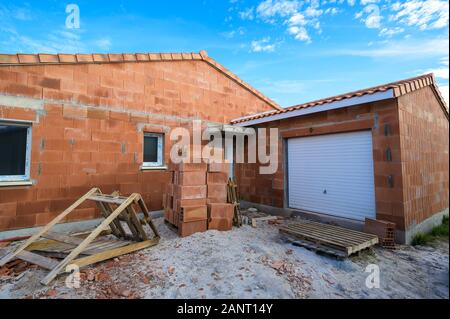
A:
[293,51]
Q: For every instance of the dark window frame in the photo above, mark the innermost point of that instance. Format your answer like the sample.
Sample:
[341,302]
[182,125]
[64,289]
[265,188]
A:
[159,148]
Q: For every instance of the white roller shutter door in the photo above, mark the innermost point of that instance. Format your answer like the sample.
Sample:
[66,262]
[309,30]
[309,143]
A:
[332,174]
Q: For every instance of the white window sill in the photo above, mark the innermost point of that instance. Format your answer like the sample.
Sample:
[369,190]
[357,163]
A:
[154,168]
[17,183]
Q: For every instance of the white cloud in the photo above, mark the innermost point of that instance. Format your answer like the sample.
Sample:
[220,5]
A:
[445,93]
[282,8]
[297,19]
[231,34]
[104,44]
[247,14]
[405,49]
[300,33]
[373,19]
[286,86]
[390,32]
[441,72]
[366,2]
[262,45]
[332,11]
[425,14]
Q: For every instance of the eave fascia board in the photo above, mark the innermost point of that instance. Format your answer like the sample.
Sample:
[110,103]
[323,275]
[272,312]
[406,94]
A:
[354,101]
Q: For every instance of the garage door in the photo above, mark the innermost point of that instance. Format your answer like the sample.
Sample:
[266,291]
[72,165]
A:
[332,174]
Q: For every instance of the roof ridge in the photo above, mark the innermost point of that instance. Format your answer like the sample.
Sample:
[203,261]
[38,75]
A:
[25,59]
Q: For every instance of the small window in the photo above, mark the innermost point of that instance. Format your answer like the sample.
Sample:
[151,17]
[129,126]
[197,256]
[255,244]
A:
[15,149]
[153,150]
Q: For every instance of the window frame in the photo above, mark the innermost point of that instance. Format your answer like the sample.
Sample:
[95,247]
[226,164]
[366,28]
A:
[26,176]
[160,151]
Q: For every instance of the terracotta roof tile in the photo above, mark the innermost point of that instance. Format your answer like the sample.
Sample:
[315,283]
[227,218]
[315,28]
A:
[84,58]
[9,59]
[28,58]
[166,56]
[67,58]
[48,58]
[115,57]
[400,88]
[186,56]
[129,57]
[142,57]
[33,59]
[177,56]
[100,57]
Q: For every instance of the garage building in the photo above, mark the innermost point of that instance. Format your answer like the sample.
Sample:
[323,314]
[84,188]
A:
[379,153]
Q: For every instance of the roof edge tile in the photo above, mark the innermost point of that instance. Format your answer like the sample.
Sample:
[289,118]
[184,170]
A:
[399,88]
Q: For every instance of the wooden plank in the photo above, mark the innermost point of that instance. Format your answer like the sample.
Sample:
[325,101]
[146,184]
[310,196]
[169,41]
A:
[339,239]
[48,245]
[111,245]
[87,241]
[339,229]
[351,246]
[134,219]
[317,239]
[332,239]
[126,217]
[108,199]
[320,248]
[36,259]
[105,214]
[46,228]
[85,261]
[342,232]
[333,236]
[73,241]
[118,225]
[147,216]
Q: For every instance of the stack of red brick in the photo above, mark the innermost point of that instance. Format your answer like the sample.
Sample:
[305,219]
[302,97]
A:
[196,200]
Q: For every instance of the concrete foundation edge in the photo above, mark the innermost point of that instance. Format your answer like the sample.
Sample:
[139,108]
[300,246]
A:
[425,226]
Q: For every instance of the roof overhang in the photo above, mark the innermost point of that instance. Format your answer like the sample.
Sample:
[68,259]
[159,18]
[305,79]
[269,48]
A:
[354,101]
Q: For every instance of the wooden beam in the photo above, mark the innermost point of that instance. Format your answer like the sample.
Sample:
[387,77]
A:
[105,224]
[46,228]
[74,241]
[85,261]
[107,199]
[41,261]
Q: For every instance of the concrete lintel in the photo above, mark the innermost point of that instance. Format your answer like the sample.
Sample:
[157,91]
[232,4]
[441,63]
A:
[22,102]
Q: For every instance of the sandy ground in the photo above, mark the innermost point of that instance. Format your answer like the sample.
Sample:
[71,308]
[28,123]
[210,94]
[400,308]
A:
[247,263]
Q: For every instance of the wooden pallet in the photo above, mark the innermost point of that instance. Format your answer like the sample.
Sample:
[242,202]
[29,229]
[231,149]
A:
[233,198]
[120,219]
[330,239]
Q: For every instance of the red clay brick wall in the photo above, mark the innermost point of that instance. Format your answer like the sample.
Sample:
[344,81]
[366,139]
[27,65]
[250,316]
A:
[89,130]
[269,189]
[424,138]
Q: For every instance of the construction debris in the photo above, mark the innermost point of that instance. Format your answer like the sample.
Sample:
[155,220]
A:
[254,217]
[121,217]
[334,240]
[383,229]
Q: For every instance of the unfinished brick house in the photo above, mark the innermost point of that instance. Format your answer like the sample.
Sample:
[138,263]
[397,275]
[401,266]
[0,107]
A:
[379,153]
[72,122]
